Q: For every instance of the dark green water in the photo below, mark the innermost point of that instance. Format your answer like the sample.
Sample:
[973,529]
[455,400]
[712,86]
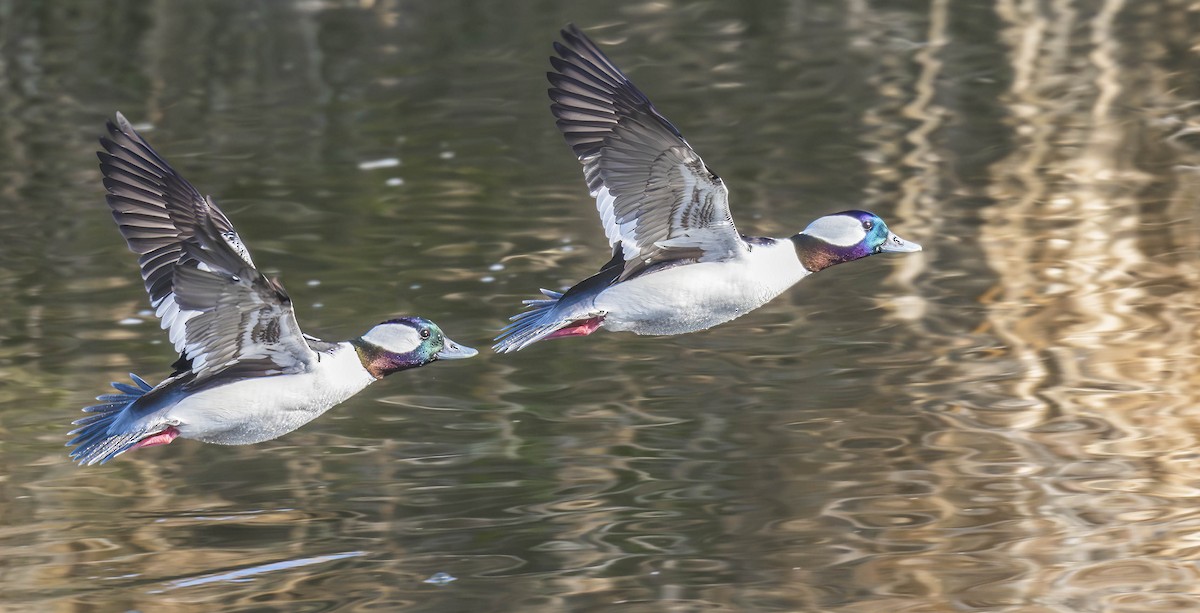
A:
[1007,421]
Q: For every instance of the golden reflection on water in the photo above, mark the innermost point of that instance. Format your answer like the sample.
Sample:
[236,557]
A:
[1004,422]
[1088,446]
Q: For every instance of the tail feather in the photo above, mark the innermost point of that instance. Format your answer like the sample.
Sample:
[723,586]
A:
[94,443]
[531,325]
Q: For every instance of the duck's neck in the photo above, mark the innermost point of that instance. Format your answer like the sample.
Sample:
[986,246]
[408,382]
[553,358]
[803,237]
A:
[773,263]
[343,372]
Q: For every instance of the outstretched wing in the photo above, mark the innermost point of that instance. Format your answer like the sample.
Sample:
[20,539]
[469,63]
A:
[218,310]
[157,212]
[656,198]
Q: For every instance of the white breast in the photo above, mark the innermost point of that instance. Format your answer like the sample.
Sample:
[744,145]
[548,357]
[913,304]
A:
[260,409]
[698,296]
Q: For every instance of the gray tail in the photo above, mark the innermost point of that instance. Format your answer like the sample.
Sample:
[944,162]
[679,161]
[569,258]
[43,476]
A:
[94,443]
[531,325]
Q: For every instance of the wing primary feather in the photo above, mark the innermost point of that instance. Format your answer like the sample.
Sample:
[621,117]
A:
[220,313]
[655,197]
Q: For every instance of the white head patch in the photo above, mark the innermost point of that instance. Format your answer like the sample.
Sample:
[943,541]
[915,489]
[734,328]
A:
[840,230]
[396,338]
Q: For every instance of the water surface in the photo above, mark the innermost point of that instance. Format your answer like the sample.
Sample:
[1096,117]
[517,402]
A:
[1004,422]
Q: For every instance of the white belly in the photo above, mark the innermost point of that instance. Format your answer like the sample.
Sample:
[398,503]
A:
[694,297]
[260,409]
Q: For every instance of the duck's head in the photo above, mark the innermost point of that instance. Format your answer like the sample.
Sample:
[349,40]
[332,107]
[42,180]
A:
[406,342]
[847,236]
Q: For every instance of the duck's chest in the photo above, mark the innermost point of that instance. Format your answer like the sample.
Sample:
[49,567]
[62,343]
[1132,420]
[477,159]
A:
[260,409]
[694,297]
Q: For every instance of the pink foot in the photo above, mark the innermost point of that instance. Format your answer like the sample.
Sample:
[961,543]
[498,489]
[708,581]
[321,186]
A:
[582,327]
[162,438]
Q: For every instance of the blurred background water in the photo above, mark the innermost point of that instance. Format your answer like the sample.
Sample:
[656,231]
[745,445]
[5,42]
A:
[1005,422]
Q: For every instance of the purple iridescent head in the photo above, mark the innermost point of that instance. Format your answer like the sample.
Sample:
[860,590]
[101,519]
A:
[847,236]
[406,342]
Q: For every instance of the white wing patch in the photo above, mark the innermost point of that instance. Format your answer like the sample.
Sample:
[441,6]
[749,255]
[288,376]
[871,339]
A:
[608,219]
[174,321]
[622,232]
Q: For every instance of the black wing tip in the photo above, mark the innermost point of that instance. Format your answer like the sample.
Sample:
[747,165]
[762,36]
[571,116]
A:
[570,31]
[576,45]
[125,150]
[119,127]
[574,37]
[120,136]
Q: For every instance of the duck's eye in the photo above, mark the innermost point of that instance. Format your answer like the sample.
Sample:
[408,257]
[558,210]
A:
[425,333]
[868,224]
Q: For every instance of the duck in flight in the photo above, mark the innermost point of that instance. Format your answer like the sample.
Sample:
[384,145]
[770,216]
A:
[678,263]
[245,373]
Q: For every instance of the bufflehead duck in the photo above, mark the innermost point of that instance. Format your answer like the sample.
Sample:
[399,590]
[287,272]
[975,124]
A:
[245,373]
[678,264]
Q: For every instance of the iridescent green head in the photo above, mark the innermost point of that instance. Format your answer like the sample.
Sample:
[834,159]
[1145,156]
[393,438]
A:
[406,342]
[847,236]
